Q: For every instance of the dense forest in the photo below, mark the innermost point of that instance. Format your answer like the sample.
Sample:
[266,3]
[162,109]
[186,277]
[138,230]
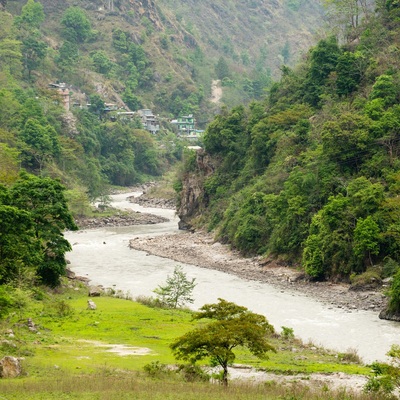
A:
[310,175]
[53,162]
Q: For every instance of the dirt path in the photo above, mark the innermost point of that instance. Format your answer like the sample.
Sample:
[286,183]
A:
[216,91]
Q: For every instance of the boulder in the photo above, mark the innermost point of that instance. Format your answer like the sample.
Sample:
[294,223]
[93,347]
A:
[389,315]
[70,274]
[91,305]
[31,325]
[95,291]
[10,367]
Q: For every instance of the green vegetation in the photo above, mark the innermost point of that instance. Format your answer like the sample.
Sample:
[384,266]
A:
[232,326]
[177,290]
[34,214]
[76,344]
[84,149]
[310,174]
[386,377]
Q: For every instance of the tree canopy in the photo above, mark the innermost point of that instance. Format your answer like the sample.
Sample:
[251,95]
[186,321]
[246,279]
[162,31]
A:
[231,326]
[34,216]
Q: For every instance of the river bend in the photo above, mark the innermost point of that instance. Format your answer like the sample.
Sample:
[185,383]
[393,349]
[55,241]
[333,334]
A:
[104,257]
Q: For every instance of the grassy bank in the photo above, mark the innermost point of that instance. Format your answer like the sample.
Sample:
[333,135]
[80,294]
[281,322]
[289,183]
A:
[100,354]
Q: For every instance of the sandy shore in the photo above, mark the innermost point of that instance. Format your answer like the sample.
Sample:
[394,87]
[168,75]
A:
[200,249]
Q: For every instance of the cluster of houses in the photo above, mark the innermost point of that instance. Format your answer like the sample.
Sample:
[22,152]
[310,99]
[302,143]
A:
[185,125]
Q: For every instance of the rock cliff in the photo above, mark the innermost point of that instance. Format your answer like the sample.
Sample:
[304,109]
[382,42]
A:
[193,196]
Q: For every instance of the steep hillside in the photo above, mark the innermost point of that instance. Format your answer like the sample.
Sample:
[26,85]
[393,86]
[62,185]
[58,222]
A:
[311,175]
[182,41]
[274,32]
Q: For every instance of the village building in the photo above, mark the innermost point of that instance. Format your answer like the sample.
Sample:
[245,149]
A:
[186,127]
[149,121]
[64,93]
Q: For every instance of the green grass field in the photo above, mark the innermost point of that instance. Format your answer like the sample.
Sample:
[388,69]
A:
[70,354]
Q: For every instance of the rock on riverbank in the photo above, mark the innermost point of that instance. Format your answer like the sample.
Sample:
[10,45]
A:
[200,249]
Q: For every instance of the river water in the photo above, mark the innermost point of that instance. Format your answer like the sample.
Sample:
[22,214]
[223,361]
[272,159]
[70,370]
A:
[103,256]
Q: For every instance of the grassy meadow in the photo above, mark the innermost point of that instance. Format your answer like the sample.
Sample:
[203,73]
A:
[72,354]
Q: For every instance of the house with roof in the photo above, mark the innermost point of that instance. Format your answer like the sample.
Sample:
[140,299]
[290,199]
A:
[185,124]
[149,121]
[186,127]
[64,93]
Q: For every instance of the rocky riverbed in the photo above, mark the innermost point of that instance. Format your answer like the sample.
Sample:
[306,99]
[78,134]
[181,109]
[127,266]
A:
[126,219]
[147,201]
[200,249]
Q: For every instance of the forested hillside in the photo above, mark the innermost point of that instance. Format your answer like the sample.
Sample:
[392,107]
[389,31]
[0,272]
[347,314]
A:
[164,54]
[68,69]
[311,175]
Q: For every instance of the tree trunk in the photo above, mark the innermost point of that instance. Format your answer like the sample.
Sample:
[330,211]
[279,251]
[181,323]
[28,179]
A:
[225,375]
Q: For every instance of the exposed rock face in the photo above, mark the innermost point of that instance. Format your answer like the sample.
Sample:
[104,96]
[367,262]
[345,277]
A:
[10,367]
[389,315]
[70,274]
[193,196]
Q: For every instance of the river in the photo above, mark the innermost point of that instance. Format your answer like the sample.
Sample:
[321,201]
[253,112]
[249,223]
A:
[103,256]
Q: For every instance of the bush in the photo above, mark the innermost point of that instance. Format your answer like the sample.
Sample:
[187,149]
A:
[149,301]
[350,356]
[59,309]
[390,267]
[368,279]
[386,376]
[193,373]
[6,302]
[287,333]
[157,370]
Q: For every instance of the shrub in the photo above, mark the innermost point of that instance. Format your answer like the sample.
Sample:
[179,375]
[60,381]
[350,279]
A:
[390,267]
[386,376]
[156,370]
[193,373]
[149,301]
[59,308]
[367,279]
[350,356]
[287,333]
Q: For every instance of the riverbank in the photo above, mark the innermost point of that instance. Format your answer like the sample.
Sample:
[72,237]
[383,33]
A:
[200,249]
[118,338]
[126,219]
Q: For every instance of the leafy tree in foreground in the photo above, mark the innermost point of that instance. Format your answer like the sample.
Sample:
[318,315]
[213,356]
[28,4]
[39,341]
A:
[231,326]
[18,247]
[44,200]
[177,290]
